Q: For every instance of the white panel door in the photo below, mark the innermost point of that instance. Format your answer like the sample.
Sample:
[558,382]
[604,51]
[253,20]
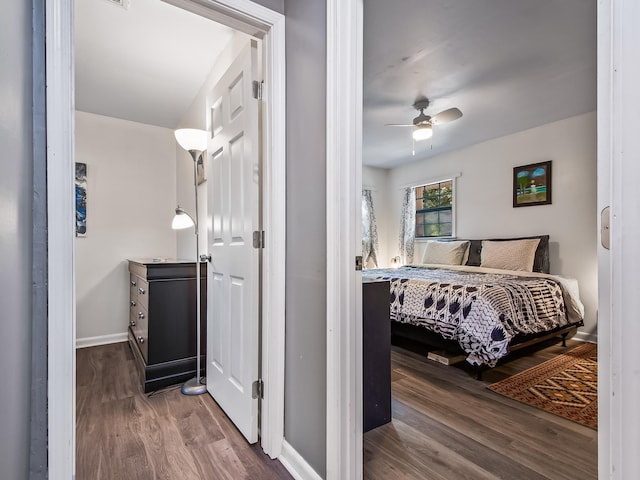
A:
[233,215]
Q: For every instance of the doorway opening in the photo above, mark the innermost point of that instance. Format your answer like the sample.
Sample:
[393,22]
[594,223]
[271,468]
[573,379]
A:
[453,200]
[250,21]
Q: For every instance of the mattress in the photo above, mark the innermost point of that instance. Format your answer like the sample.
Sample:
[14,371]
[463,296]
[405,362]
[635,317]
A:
[481,309]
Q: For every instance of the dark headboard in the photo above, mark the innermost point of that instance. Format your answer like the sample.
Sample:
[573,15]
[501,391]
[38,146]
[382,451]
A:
[540,262]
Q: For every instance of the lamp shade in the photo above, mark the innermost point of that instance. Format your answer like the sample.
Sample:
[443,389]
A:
[191,139]
[182,220]
[422,132]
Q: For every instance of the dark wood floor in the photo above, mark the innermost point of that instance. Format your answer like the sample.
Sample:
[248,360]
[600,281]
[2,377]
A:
[124,434]
[447,425]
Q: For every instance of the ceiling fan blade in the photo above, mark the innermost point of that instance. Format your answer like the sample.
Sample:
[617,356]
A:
[446,116]
[399,125]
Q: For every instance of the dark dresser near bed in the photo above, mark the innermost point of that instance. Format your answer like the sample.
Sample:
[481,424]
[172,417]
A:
[162,326]
[376,353]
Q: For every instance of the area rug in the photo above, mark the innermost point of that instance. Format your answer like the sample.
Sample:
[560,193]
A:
[566,386]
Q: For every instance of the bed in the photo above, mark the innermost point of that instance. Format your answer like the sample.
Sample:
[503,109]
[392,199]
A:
[465,304]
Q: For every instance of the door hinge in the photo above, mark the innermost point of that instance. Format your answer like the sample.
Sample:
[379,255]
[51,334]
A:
[257,389]
[258,239]
[358,263]
[257,87]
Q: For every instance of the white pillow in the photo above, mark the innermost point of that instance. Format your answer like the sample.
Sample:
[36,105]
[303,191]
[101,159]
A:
[509,255]
[445,253]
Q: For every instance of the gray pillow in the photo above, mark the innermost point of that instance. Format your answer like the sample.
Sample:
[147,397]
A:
[509,255]
[445,253]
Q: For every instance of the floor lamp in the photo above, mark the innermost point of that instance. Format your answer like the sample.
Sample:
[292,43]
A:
[195,142]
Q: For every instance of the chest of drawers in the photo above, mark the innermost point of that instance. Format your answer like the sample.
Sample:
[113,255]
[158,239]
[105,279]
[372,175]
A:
[162,320]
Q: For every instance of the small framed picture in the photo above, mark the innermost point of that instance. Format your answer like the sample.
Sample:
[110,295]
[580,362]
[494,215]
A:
[532,184]
[81,199]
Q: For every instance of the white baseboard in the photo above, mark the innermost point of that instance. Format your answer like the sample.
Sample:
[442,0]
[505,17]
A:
[295,464]
[101,340]
[586,337]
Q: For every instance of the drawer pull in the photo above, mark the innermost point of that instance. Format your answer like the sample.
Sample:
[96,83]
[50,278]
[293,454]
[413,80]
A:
[132,323]
[133,283]
[141,290]
[140,315]
[133,303]
[141,339]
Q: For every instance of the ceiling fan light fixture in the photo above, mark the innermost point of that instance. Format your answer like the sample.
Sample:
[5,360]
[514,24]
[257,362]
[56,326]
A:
[422,132]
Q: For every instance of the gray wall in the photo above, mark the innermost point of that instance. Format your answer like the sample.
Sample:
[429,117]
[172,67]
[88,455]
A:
[15,236]
[275,5]
[305,380]
[305,414]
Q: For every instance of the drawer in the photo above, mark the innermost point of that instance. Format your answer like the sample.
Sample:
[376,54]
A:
[137,354]
[135,322]
[137,269]
[142,293]
[133,298]
[133,281]
[133,290]
[139,324]
[139,361]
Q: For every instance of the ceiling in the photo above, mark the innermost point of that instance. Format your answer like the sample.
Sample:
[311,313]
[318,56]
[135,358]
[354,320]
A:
[144,63]
[508,65]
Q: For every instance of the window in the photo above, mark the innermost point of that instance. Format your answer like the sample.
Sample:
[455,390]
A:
[434,212]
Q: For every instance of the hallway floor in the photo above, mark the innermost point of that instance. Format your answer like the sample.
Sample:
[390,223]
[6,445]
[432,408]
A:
[123,433]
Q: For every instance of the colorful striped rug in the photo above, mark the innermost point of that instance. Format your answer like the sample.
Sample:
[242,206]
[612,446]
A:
[566,385]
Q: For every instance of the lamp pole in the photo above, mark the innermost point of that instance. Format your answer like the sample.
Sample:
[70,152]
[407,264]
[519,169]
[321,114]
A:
[195,142]
[195,385]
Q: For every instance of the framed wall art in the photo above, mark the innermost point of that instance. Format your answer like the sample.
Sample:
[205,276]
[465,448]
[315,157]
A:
[532,184]
[81,199]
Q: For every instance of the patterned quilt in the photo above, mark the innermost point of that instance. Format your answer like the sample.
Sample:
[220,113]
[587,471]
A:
[481,311]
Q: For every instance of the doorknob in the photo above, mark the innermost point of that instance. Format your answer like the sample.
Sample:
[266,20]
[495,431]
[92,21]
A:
[205,258]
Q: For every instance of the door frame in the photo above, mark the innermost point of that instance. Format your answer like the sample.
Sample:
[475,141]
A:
[344,197]
[618,169]
[618,42]
[242,15]
[604,118]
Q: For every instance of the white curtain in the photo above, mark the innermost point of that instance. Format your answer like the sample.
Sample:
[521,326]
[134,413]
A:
[369,232]
[408,226]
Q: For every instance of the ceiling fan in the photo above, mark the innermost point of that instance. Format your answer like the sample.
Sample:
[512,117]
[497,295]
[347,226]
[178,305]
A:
[423,124]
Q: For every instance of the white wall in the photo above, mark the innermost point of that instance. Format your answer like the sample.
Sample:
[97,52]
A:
[131,197]
[196,117]
[484,197]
